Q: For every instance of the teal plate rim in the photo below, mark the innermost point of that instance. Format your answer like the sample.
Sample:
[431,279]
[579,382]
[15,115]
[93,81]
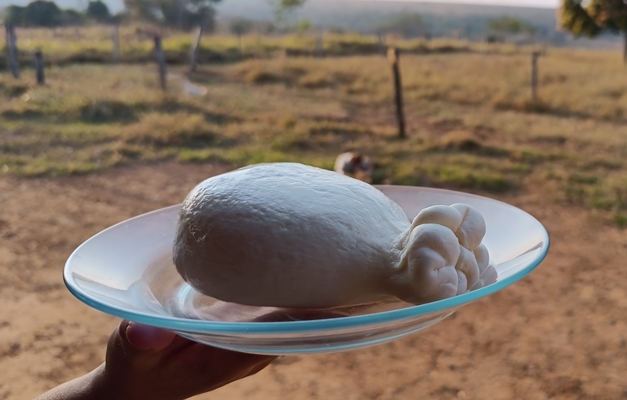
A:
[251,328]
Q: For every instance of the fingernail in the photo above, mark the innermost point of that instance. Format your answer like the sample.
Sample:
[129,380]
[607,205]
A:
[129,335]
[135,336]
[146,337]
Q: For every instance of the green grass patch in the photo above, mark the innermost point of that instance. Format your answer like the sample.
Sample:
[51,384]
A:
[621,220]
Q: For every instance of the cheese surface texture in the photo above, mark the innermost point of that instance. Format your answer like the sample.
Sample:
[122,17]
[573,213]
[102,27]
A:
[290,235]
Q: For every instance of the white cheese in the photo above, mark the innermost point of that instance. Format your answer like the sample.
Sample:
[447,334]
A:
[290,235]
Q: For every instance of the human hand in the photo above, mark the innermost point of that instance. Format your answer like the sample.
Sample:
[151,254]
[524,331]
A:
[144,362]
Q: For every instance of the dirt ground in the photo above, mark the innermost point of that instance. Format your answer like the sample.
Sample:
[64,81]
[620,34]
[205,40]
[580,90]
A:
[560,333]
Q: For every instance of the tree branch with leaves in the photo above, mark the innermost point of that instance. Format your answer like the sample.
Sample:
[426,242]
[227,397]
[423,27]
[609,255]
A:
[283,8]
[591,18]
[185,14]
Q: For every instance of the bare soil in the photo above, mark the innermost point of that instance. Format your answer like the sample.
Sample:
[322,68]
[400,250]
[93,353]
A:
[560,333]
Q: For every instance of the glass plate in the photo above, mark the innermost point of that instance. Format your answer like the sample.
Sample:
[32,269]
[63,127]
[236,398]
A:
[127,271]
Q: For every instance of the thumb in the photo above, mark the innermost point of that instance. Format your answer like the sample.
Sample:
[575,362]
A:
[145,337]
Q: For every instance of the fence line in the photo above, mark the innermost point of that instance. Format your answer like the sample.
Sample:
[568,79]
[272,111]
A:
[394,58]
[39,67]
[115,37]
[194,53]
[534,76]
[11,40]
[160,61]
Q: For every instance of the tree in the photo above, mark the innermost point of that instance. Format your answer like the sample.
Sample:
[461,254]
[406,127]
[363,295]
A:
[15,15]
[185,14]
[512,26]
[303,27]
[282,8]
[239,27]
[590,18]
[406,25]
[72,18]
[499,29]
[43,13]
[98,11]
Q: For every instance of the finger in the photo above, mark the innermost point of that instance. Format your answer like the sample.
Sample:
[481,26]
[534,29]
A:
[208,358]
[145,337]
[261,366]
[178,345]
[211,367]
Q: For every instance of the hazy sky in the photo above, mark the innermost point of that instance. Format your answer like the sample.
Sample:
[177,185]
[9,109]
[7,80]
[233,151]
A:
[116,5]
[528,3]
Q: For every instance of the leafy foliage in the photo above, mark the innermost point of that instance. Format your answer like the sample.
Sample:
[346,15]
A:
[240,26]
[41,13]
[15,15]
[37,13]
[71,17]
[510,25]
[184,14]
[98,11]
[407,25]
[595,17]
[303,26]
[282,8]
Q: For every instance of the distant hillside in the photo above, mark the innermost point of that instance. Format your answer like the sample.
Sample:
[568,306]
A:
[365,16]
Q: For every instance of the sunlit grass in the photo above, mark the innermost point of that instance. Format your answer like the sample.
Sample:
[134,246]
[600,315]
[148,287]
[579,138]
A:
[94,44]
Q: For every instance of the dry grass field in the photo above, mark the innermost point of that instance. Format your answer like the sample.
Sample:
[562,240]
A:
[471,123]
[101,142]
[66,45]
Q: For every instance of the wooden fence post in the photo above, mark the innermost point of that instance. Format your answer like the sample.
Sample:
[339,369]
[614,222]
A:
[381,42]
[115,37]
[160,61]
[11,41]
[319,49]
[534,76]
[39,67]
[393,58]
[180,13]
[194,54]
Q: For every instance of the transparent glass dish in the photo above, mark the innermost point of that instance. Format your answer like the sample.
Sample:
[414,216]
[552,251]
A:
[127,271]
